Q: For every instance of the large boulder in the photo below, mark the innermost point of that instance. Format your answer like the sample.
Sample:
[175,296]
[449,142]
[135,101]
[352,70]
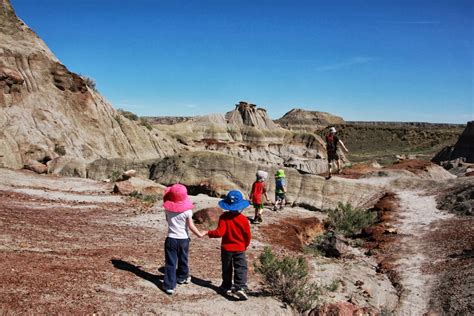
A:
[208,216]
[140,186]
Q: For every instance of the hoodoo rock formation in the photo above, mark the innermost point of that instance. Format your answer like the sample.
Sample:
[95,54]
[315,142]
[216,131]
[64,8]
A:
[249,115]
[49,113]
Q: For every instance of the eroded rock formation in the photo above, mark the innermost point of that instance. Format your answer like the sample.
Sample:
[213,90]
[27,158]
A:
[48,112]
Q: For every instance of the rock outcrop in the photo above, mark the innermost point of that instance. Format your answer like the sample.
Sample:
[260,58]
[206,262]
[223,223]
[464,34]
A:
[47,112]
[215,173]
[249,115]
[464,148]
[248,133]
[299,119]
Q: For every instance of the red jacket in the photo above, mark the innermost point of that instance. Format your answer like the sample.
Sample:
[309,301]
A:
[234,228]
[258,189]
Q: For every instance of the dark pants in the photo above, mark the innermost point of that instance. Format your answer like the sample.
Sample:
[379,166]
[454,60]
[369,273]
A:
[236,264]
[176,254]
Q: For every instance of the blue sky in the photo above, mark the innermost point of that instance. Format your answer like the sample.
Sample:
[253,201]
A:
[373,60]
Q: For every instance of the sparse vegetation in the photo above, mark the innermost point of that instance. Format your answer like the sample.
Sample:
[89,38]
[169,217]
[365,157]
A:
[144,122]
[144,197]
[130,115]
[349,220]
[314,248]
[333,286]
[89,82]
[115,176]
[287,278]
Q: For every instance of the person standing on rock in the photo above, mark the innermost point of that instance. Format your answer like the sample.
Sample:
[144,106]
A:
[256,195]
[332,142]
[179,215]
[234,228]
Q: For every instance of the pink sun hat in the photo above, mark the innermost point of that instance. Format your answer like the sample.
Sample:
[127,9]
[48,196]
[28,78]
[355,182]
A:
[176,199]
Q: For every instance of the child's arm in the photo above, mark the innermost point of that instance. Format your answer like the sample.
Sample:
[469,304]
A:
[190,223]
[247,234]
[219,231]
[265,193]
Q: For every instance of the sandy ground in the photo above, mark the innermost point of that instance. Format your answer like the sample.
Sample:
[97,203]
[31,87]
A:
[421,253]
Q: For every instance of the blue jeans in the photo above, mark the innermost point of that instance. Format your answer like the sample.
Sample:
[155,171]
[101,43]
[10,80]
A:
[176,255]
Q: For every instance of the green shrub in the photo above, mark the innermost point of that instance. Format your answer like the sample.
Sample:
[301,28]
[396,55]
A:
[333,286]
[130,115]
[348,220]
[288,280]
[144,122]
[144,197]
[115,175]
[89,82]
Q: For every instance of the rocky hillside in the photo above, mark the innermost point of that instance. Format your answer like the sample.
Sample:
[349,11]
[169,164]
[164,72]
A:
[248,133]
[383,141]
[298,119]
[48,113]
[464,147]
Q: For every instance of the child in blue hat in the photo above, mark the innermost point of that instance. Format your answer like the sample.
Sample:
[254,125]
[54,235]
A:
[234,228]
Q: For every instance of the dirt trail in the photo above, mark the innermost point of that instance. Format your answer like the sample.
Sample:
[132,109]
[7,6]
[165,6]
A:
[417,215]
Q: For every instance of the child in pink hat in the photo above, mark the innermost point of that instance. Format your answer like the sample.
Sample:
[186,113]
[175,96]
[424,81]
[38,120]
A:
[178,209]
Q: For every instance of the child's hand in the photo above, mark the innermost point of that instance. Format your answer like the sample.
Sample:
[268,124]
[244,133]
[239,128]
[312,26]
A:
[203,234]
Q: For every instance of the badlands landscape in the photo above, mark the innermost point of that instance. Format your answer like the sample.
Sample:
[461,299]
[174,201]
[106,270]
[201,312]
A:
[82,223]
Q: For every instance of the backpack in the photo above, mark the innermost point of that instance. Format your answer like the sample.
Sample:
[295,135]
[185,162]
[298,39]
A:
[331,142]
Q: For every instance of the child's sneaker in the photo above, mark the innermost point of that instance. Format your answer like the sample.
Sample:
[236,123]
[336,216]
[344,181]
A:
[169,291]
[241,294]
[185,281]
[260,220]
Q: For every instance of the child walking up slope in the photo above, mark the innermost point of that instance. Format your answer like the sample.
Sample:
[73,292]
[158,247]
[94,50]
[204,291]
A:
[257,193]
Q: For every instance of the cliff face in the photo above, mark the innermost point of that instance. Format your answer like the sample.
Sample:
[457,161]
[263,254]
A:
[464,147]
[47,112]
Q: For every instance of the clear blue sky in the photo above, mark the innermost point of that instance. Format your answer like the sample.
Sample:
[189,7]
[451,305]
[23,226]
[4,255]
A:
[363,60]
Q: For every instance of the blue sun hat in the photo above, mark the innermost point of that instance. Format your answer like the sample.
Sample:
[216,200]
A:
[234,202]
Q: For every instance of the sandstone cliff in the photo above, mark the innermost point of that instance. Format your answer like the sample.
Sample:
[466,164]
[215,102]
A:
[464,147]
[47,112]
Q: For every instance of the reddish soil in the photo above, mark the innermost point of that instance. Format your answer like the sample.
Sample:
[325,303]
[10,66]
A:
[380,239]
[452,248]
[293,233]
[412,165]
[66,257]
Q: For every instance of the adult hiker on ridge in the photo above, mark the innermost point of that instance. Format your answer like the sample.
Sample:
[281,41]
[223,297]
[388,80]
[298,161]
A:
[332,141]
